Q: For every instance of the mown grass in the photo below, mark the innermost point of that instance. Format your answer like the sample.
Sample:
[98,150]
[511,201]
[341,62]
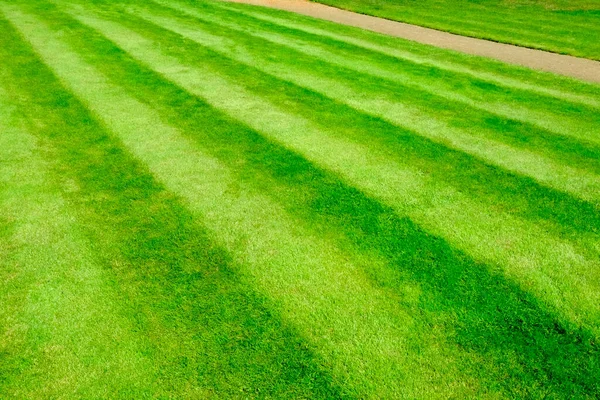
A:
[253,233]
[561,26]
[397,184]
[203,331]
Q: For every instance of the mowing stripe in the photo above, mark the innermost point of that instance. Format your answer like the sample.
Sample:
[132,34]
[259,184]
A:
[208,334]
[578,182]
[484,69]
[324,204]
[577,154]
[466,174]
[549,267]
[65,339]
[311,279]
[531,109]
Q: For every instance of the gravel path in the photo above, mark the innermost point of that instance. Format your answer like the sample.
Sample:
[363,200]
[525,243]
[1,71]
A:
[581,68]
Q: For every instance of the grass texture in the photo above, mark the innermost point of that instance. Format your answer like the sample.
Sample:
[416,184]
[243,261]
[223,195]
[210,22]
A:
[561,26]
[206,200]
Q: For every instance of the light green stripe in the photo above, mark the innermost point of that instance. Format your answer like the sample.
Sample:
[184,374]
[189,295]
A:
[58,308]
[546,265]
[320,289]
[495,104]
[578,182]
[505,79]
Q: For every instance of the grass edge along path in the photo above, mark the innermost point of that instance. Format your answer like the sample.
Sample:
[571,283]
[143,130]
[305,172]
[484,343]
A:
[481,68]
[579,68]
[355,167]
[545,29]
[348,328]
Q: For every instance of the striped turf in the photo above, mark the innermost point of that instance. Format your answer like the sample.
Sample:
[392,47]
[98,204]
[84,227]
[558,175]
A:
[487,70]
[236,215]
[195,317]
[401,186]
[433,79]
[70,326]
[377,103]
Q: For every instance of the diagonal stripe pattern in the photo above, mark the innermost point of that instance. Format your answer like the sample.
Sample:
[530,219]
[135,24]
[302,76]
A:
[231,205]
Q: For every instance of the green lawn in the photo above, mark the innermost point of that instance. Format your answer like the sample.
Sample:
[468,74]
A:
[208,200]
[561,26]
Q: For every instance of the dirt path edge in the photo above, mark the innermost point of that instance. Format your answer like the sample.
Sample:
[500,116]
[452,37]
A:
[574,67]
